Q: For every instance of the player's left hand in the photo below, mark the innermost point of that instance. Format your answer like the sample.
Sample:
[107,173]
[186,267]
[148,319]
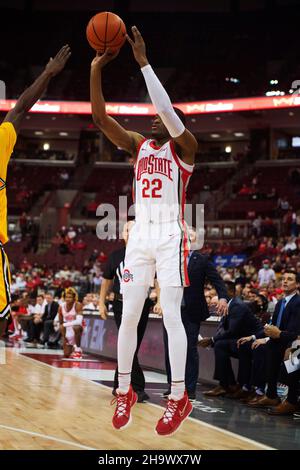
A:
[56,65]
[138,47]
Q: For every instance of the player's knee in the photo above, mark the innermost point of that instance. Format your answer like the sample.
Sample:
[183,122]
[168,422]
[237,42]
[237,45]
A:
[129,319]
[172,321]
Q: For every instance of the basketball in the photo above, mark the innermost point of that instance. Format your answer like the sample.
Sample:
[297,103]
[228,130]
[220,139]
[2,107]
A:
[106,30]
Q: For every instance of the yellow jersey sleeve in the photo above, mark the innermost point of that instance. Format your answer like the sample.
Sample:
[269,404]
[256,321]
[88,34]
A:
[8,139]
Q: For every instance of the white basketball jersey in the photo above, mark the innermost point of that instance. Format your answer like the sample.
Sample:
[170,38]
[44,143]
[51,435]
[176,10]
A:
[68,316]
[160,183]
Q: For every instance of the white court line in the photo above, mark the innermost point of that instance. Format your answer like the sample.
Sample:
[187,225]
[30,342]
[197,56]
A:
[45,436]
[197,421]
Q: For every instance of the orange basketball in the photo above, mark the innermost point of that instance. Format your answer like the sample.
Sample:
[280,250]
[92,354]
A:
[106,30]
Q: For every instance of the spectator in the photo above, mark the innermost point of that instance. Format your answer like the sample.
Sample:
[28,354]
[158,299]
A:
[35,325]
[285,329]
[266,274]
[239,322]
[256,226]
[283,204]
[64,176]
[51,310]
[290,247]
[93,306]
[71,324]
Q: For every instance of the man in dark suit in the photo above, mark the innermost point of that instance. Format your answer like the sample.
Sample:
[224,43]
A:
[194,310]
[239,322]
[284,329]
[50,313]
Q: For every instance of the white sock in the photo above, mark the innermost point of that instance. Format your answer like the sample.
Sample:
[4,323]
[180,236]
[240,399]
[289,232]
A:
[177,390]
[124,383]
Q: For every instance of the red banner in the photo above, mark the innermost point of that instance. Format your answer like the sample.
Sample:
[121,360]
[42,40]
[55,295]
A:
[146,109]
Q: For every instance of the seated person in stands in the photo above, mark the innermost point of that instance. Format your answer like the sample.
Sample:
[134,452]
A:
[32,321]
[50,312]
[239,322]
[71,324]
[245,190]
[280,335]
[92,306]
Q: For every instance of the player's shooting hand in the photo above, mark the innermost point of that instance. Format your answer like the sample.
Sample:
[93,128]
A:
[138,47]
[56,65]
[102,59]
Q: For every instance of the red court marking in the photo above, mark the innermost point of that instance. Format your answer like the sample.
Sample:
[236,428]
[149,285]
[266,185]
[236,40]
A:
[56,360]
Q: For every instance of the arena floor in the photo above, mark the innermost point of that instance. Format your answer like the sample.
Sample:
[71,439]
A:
[51,403]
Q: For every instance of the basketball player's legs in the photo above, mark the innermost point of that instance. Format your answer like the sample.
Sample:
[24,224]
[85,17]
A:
[77,333]
[133,302]
[5,298]
[171,267]
[68,348]
[170,301]
[172,277]
[138,276]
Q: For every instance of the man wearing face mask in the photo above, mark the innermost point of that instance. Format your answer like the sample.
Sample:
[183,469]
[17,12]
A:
[266,274]
[194,309]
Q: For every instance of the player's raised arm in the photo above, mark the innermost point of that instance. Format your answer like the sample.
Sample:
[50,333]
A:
[119,136]
[161,101]
[30,96]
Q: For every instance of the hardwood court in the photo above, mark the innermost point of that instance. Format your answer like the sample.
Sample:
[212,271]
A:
[47,408]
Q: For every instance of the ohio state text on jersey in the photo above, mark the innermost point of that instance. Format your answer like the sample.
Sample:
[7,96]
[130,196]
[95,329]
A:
[160,183]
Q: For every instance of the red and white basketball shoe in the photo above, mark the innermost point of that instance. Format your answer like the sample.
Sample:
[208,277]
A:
[176,412]
[76,355]
[122,415]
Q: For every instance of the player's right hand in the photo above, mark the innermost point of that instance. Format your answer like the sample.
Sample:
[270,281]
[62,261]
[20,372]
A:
[103,311]
[102,59]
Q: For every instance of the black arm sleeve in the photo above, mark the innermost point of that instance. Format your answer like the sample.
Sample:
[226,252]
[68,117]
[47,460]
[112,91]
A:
[216,280]
[110,269]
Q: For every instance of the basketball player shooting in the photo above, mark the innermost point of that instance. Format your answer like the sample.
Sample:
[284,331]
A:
[8,136]
[163,166]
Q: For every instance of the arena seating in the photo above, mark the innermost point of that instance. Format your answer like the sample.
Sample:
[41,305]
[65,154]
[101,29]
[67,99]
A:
[26,183]
[258,203]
